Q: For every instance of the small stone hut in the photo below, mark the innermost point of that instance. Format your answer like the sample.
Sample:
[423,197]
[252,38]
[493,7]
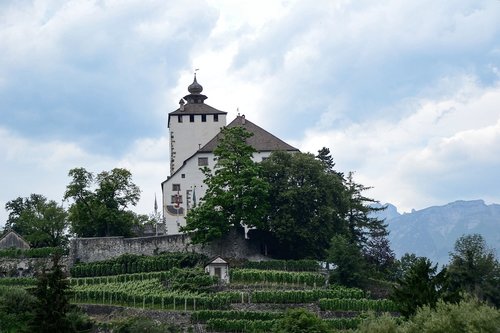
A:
[13,240]
[218,267]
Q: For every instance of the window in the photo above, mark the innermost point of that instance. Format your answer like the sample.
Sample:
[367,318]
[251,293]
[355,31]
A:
[179,118]
[216,117]
[176,199]
[264,158]
[183,175]
[203,118]
[202,161]
[176,187]
[191,118]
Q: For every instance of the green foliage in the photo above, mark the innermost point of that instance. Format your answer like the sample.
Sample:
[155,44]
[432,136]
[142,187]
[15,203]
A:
[41,222]
[236,193]
[282,277]
[141,324]
[346,304]
[419,286]
[469,315]
[303,265]
[131,263]
[379,324]
[52,305]
[100,202]
[205,315]
[305,204]
[16,309]
[37,252]
[239,325]
[474,269]
[304,296]
[350,265]
[300,321]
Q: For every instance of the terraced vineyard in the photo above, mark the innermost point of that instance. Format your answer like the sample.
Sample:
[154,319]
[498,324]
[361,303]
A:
[254,301]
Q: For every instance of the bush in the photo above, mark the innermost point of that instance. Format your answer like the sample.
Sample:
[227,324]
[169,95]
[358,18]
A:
[300,321]
[16,309]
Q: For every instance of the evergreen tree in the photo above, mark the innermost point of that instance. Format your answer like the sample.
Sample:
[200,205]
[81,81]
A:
[52,305]
[350,265]
[421,285]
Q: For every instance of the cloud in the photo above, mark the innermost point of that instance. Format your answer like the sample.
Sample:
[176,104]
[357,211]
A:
[32,166]
[97,72]
[442,151]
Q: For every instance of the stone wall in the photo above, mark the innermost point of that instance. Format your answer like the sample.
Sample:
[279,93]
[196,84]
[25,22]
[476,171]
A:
[27,267]
[96,249]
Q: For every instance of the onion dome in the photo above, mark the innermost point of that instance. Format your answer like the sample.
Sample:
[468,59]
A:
[195,96]
[195,87]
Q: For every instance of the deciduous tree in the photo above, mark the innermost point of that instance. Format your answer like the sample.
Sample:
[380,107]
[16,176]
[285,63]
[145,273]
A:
[40,221]
[474,269]
[100,202]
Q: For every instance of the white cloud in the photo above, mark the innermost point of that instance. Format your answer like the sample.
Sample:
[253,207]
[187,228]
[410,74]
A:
[42,167]
[443,151]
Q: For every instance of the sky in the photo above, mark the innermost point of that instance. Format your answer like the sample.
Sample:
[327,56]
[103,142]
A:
[406,94]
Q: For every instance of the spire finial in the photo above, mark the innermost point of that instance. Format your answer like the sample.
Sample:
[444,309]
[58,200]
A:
[195,87]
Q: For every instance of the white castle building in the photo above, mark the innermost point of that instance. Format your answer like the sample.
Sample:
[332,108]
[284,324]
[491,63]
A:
[194,134]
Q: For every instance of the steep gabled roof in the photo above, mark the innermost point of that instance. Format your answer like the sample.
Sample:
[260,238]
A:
[13,239]
[261,140]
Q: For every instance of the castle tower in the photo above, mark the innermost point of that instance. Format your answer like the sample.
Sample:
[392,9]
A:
[192,125]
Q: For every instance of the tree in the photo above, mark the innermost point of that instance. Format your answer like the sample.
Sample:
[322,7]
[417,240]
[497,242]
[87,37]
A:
[379,255]
[52,305]
[474,269]
[40,221]
[348,259]
[236,193]
[360,221]
[305,204]
[419,286]
[100,203]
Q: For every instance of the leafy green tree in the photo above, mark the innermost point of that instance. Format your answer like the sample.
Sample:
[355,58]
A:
[41,222]
[300,321]
[474,269]
[52,305]
[100,202]
[305,204]
[420,285]
[350,265]
[236,193]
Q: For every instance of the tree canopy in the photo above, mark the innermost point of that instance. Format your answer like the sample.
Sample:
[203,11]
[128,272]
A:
[40,221]
[474,269]
[100,202]
[295,202]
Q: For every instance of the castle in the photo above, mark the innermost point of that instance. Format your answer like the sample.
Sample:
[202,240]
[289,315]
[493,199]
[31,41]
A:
[194,134]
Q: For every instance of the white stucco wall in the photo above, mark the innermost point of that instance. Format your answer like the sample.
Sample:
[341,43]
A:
[193,180]
[187,137]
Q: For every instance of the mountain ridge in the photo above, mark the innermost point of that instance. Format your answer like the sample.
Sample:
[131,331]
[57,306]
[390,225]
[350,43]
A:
[432,231]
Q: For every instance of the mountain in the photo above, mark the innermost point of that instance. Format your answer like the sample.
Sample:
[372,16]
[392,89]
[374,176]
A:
[432,232]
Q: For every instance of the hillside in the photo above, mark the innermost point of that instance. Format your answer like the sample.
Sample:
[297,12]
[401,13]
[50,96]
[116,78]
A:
[432,232]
